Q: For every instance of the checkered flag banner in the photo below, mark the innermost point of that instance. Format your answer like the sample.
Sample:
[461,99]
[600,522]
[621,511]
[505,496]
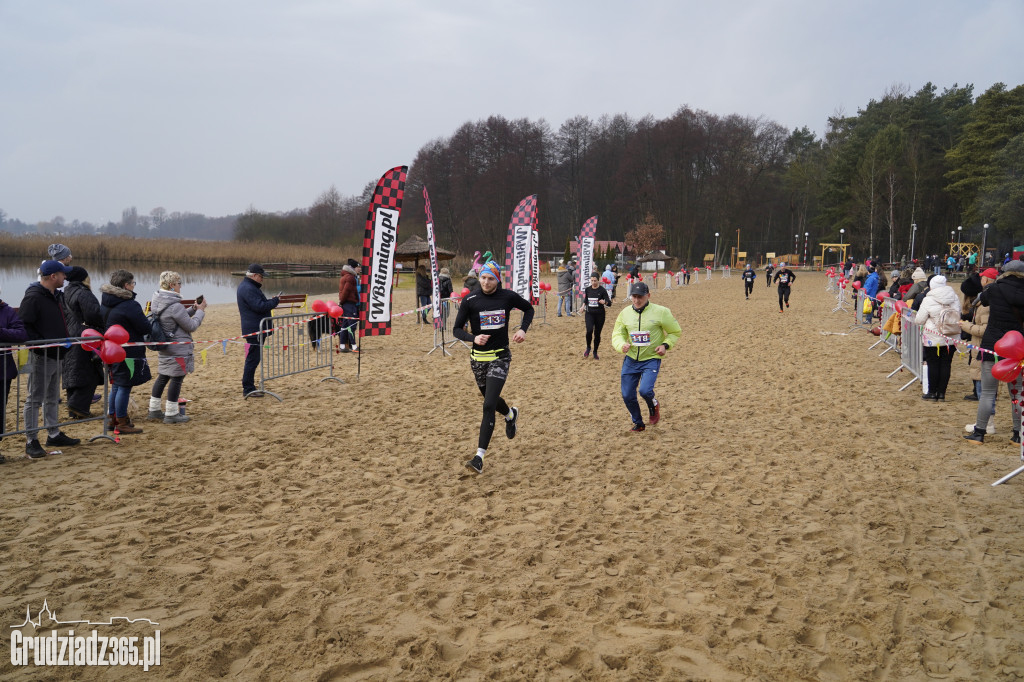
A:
[520,263]
[585,253]
[379,246]
[435,282]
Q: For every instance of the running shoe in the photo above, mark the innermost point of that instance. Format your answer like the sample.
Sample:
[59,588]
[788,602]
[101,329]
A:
[476,464]
[656,412]
[586,353]
[33,450]
[156,415]
[787,304]
[637,428]
[595,355]
[62,439]
[990,429]
[512,425]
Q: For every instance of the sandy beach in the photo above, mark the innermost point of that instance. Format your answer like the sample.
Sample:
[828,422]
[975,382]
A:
[793,516]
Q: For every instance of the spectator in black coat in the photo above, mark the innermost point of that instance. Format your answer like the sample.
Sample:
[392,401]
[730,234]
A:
[1005,300]
[119,306]
[83,370]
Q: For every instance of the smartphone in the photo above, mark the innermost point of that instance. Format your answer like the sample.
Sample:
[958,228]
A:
[199,299]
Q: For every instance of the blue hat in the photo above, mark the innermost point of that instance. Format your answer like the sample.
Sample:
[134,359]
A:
[51,266]
[492,269]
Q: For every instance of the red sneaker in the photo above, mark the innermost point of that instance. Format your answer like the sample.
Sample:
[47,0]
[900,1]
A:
[656,414]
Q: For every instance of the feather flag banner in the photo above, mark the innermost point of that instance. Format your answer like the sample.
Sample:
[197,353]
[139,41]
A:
[379,244]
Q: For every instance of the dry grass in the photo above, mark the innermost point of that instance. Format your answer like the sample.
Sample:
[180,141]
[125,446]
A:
[190,251]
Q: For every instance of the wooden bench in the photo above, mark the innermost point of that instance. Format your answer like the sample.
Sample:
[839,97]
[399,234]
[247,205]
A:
[188,302]
[290,303]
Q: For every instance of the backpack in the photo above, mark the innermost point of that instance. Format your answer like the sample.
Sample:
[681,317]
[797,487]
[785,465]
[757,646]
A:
[156,334]
[949,322]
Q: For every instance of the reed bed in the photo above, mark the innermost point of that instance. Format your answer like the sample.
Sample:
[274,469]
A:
[94,248]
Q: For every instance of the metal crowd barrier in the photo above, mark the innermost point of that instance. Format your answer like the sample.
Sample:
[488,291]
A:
[892,341]
[20,386]
[912,342]
[290,350]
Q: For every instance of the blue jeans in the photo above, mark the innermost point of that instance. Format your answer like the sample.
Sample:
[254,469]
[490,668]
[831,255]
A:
[118,400]
[638,374]
[567,301]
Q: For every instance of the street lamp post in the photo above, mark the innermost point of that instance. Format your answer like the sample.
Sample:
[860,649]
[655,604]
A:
[714,261]
[806,235]
[842,252]
[913,236]
[796,245]
[984,239]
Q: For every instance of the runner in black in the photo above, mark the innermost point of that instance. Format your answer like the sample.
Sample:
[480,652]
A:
[486,310]
[768,274]
[596,299]
[785,277]
[748,280]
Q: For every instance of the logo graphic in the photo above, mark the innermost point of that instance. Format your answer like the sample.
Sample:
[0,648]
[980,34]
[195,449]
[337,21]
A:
[93,649]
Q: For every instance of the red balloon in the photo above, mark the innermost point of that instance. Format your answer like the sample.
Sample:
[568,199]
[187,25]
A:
[545,286]
[335,311]
[111,353]
[639,278]
[669,273]
[901,306]
[606,280]
[1010,346]
[1006,370]
[884,295]
[319,306]
[117,334]
[856,285]
[465,292]
[92,345]
[844,285]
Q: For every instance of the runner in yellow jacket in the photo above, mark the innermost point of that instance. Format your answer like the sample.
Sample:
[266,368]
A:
[643,332]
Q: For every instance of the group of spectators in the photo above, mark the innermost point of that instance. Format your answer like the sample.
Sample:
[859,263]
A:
[992,304]
[61,305]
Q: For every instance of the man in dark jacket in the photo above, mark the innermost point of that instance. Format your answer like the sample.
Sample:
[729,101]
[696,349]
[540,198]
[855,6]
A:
[253,306]
[1005,301]
[44,319]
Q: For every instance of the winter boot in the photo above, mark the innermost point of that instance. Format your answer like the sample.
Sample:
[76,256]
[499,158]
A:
[154,409]
[1015,438]
[125,426]
[172,414]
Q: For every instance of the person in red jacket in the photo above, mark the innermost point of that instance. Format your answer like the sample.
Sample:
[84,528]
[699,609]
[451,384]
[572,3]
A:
[348,297]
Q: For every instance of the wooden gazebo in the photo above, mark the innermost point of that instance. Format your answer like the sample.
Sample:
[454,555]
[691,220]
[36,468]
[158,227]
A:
[415,249]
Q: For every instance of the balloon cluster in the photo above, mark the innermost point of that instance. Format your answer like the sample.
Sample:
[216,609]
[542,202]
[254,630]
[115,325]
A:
[544,286]
[107,345]
[1011,349]
[603,279]
[330,307]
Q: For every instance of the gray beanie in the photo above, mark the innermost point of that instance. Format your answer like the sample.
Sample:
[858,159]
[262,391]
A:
[1014,266]
[58,251]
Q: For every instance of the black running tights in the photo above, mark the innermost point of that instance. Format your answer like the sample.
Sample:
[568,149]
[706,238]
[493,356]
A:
[595,323]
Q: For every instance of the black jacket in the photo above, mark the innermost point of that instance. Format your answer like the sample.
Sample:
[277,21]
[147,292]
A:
[120,307]
[1005,299]
[82,311]
[43,316]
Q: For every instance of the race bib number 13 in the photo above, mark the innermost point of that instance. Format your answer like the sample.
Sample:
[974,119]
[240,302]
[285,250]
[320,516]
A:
[492,319]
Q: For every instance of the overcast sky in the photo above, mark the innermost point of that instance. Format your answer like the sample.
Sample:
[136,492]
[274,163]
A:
[212,106]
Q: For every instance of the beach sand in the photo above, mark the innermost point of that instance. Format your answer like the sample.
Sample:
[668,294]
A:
[793,516]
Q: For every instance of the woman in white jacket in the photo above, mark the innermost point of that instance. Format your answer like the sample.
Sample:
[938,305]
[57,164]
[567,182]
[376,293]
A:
[940,308]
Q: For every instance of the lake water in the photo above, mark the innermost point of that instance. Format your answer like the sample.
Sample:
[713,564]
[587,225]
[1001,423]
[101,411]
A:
[216,284]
